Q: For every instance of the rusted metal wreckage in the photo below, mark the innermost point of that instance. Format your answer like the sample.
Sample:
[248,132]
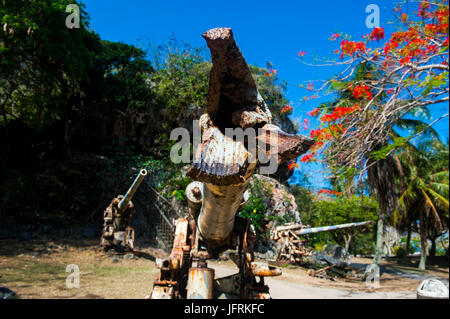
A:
[221,169]
[117,234]
[293,248]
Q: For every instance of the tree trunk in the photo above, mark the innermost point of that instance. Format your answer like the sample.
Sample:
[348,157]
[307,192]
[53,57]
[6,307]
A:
[361,190]
[408,244]
[423,243]
[433,247]
[381,181]
[379,242]
[347,240]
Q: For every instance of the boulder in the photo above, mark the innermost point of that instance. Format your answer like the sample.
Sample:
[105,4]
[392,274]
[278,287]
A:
[372,271]
[338,252]
[6,293]
[332,255]
[277,198]
[432,288]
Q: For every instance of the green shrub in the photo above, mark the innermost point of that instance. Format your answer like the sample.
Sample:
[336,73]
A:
[255,210]
[319,246]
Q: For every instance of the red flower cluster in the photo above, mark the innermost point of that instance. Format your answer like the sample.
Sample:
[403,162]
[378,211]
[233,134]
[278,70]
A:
[442,15]
[339,112]
[418,43]
[310,87]
[362,91]
[271,73]
[411,44]
[287,110]
[301,53]
[351,47]
[335,36]
[432,29]
[377,34]
[305,124]
[307,157]
[292,166]
[337,129]
[404,18]
[313,113]
[320,134]
[329,192]
[423,10]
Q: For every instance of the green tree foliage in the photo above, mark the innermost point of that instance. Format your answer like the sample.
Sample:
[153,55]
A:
[425,191]
[125,71]
[255,208]
[271,89]
[42,61]
[183,78]
[382,166]
[182,81]
[304,197]
[59,89]
[70,109]
[341,211]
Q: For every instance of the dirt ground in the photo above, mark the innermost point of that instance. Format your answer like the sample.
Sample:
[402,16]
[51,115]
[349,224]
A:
[388,282]
[37,269]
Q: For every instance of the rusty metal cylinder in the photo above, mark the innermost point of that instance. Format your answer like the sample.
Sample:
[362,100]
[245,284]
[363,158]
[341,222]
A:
[200,283]
[307,231]
[244,199]
[220,205]
[126,199]
[194,196]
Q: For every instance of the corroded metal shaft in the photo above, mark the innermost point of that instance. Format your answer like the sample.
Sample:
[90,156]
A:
[314,230]
[221,169]
[129,195]
[219,209]
[223,163]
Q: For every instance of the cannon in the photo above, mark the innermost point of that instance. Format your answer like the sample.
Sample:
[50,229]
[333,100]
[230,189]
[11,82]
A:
[292,247]
[116,233]
[222,166]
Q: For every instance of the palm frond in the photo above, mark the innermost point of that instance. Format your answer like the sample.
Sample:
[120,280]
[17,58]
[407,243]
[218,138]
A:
[438,197]
[416,126]
[437,219]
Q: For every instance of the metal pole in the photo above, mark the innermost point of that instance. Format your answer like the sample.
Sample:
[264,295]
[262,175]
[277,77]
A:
[126,199]
[314,230]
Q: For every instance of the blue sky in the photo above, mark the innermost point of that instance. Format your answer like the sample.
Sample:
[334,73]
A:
[265,31]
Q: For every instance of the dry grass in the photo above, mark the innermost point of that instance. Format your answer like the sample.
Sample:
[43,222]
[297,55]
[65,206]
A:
[33,271]
[38,270]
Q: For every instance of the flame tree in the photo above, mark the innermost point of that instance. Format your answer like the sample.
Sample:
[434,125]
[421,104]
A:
[384,80]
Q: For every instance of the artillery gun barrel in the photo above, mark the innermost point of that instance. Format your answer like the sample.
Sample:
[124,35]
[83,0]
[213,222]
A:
[224,164]
[219,210]
[314,230]
[126,199]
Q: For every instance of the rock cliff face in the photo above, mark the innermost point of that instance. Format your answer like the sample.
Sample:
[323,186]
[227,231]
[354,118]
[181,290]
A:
[143,128]
[283,173]
[285,124]
[279,202]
